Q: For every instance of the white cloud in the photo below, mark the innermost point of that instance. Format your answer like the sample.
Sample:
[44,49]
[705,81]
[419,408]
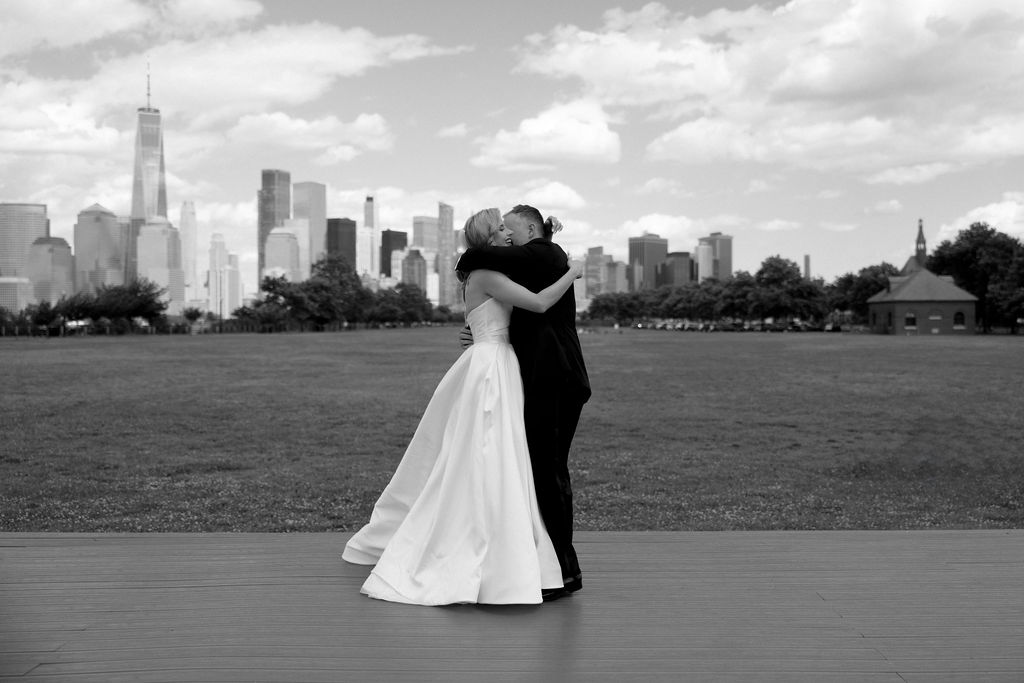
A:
[56,127]
[209,80]
[574,131]
[55,24]
[554,195]
[1006,215]
[830,194]
[459,130]
[27,25]
[910,175]
[681,232]
[777,225]
[662,186]
[340,141]
[203,16]
[888,206]
[838,227]
[757,186]
[855,85]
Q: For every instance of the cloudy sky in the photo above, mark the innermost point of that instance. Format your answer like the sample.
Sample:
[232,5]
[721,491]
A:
[821,127]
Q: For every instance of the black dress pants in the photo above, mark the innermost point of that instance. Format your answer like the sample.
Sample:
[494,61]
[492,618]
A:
[551,420]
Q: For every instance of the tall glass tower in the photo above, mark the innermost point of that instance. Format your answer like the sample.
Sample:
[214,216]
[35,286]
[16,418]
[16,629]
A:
[100,240]
[274,208]
[20,226]
[309,201]
[646,255]
[368,241]
[714,254]
[149,183]
[446,255]
[188,229]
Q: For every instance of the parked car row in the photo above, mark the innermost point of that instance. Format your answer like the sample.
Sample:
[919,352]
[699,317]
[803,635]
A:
[739,326]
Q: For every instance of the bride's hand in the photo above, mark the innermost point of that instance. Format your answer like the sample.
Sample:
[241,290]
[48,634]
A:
[577,267]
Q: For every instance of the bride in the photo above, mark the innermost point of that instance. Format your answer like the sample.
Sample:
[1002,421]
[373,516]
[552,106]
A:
[459,523]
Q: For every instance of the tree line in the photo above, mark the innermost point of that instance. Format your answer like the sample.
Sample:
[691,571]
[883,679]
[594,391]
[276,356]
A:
[333,297]
[983,261]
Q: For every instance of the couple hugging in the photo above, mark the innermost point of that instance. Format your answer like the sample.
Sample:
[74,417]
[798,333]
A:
[480,507]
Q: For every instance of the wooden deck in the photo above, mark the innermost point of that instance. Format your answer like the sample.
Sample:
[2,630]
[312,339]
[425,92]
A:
[737,606]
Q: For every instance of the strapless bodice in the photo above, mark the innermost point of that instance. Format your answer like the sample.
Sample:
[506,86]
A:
[489,322]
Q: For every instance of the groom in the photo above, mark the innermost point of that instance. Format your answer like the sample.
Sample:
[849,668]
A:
[555,382]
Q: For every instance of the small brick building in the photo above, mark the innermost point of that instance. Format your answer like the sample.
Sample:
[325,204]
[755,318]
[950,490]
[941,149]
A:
[917,301]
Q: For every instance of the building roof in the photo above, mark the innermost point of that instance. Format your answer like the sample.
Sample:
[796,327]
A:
[97,208]
[921,285]
[59,241]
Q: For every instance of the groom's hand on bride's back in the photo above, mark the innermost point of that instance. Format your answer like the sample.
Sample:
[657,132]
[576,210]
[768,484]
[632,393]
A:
[466,337]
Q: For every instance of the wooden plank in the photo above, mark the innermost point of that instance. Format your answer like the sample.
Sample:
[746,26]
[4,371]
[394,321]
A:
[864,606]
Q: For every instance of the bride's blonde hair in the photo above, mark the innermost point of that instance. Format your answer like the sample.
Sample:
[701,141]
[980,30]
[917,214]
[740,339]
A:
[478,233]
[478,227]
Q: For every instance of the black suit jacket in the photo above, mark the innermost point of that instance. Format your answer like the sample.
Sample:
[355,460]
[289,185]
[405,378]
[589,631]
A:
[546,344]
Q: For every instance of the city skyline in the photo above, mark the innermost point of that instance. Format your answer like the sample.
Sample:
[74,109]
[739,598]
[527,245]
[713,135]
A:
[825,128]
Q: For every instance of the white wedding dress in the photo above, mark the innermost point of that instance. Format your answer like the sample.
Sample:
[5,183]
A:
[459,523]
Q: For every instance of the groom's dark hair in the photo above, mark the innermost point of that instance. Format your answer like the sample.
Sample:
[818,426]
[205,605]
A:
[532,215]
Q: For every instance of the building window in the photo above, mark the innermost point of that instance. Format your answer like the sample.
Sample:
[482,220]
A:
[910,321]
[874,320]
[888,319]
[959,321]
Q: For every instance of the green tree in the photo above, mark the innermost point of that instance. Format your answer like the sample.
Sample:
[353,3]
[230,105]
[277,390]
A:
[192,314]
[981,260]
[140,298]
[413,303]
[851,292]
[79,306]
[737,297]
[775,279]
[1006,294]
[352,300]
[42,314]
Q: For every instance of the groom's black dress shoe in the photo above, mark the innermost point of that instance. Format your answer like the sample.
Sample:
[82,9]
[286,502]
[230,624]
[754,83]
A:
[574,584]
[549,594]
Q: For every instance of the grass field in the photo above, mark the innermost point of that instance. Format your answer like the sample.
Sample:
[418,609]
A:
[685,430]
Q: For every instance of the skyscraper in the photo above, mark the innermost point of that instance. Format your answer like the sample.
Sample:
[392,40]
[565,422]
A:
[101,240]
[274,208]
[218,302]
[341,239]
[595,269]
[720,264]
[414,269]
[51,268]
[646,255]
[677,270]
[20,226]
[705,261]
[309,201]
[446,283]
[424,233]
[615,279]
[149,184]
[234,285]
[188,228]
[300,228]
[159,260]
[282,255]
[368,242]
[391,241]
